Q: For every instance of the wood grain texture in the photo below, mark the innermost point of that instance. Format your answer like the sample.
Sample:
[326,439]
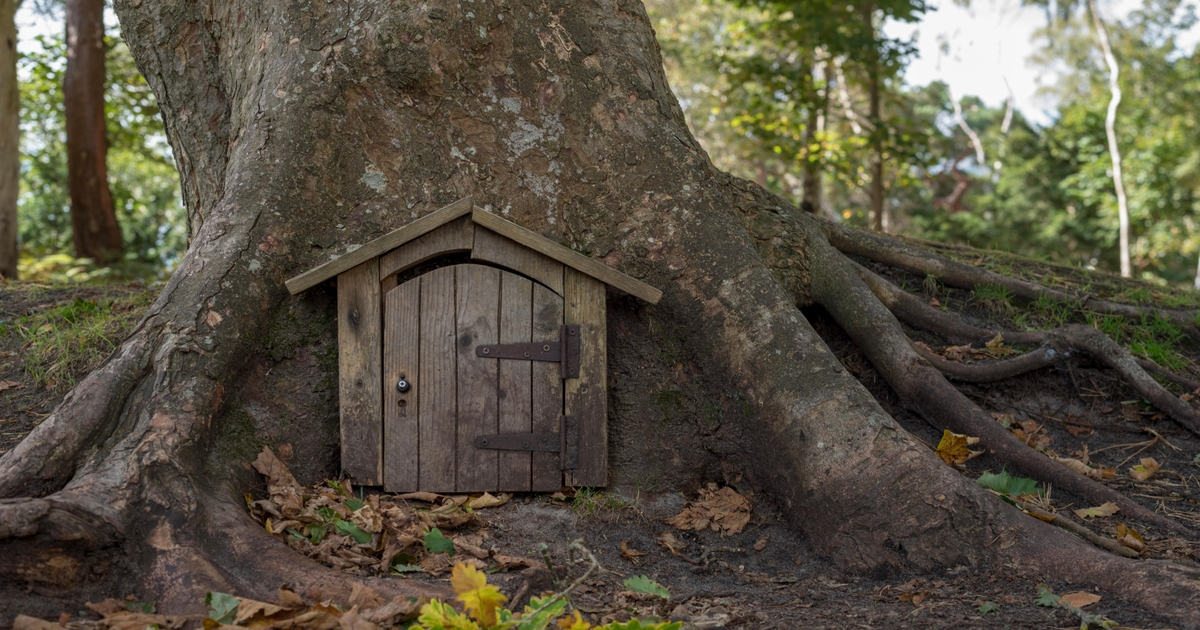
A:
[547,389]
[515,396]
[438,371]
[586,397]
[379,246]
[401,360]
[359,363]
[478,305]
[453,237]
[566,256]
[503,251]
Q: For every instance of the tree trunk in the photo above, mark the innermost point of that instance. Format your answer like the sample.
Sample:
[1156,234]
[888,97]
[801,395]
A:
[10,138]
[878,219]
[811,186]
[1110,129]
[303,130]
[93,219]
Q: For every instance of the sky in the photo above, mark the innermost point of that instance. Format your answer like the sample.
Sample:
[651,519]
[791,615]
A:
[989,43]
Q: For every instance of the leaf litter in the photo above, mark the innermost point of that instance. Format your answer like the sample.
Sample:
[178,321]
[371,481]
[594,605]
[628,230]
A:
[376,534]
[721,510]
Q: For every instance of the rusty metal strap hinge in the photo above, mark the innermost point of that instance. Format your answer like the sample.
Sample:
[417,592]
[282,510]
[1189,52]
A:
[565,442]
[565,351]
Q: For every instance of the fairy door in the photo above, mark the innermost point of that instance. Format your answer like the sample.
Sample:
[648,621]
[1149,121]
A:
[473,401]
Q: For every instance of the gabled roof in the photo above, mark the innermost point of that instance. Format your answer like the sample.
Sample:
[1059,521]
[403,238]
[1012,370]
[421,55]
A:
[464,206]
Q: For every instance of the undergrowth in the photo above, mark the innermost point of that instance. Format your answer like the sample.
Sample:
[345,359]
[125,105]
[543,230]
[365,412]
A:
[69,339]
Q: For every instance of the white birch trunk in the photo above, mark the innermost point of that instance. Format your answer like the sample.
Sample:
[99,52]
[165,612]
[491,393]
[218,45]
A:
[1114,151]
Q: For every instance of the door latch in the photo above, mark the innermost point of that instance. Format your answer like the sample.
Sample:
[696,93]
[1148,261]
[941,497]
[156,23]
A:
[565,351]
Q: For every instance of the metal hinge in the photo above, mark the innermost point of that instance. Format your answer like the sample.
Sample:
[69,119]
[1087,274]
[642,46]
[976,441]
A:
[565,442]
[568,337]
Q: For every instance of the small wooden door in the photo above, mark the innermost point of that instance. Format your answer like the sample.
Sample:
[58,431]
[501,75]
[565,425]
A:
[432,326]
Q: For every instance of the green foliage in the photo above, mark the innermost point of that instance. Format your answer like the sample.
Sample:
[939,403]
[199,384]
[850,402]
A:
[68,340]
[222,607]
[988,608]
[643,584]
[1046,597]
[436,543]
[1008,486]
[141,169]
[346,528]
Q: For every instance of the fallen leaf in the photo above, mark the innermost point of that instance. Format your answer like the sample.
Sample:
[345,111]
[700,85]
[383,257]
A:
[760,544]
[1130,538]
[7,385]
[1144,470]
[1100,511]
[427,497]
[629,553]
[953,448]
[722,510]
[1005,419]
[1079,599]
[353,620]
[274,469]
[957,353]
[996,347]
[1076,427]
[25,622]
[673,544]
[487,500]
[1078,466]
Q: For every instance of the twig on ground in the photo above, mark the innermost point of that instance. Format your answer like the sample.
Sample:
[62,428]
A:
[1066,523]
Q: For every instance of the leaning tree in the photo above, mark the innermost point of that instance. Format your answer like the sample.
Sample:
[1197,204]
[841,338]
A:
[306,127]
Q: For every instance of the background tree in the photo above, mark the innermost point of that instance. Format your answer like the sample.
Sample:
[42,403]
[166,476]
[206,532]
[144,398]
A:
[10,148]
[93,219]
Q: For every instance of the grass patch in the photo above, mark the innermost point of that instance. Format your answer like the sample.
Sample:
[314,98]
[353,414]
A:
[994,298]
[589,501]
[70,339]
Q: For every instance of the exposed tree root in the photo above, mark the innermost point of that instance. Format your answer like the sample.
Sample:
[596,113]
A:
[959,275]
[837,287]
[1156,369]
[1058,345]
[1065,523]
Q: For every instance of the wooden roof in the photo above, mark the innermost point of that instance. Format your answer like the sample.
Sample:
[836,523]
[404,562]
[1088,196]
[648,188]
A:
[464,206]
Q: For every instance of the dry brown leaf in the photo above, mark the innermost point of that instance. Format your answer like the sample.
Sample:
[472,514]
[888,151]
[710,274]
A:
[1099,474]
[106,608]
[957,353]
[953,448]
[760,544]
[1130,538]
[289,598]
[996,347]
[7,385]
[629,553]
[722,510]
[426,497]
[398,610]
[673,544]
[1101,511]
[1079,599]
[487,500]
[1144,470]
[319,617]
[140,621]
[352,620]
[249,609]
[25,622]
[274,470]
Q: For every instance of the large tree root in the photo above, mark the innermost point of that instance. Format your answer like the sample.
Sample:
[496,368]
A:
[838,288]
[958,275]
[1058,345]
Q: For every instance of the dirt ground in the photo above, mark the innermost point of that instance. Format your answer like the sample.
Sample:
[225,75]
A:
[767,576]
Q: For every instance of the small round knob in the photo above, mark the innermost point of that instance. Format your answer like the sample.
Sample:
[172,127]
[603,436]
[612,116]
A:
[403,386]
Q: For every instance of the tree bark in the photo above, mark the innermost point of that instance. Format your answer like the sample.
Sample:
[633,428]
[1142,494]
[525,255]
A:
[10,138]
[1110,129]
[878,219]
[96,234]
[303,130]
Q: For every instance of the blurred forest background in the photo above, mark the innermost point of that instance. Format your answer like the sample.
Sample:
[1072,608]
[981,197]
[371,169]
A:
[807,97]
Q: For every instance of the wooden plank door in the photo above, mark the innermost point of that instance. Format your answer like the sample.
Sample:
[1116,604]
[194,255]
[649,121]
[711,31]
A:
[432,325]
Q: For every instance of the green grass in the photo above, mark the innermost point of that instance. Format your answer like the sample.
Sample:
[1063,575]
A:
[66,341]
[589,501]
[992,297]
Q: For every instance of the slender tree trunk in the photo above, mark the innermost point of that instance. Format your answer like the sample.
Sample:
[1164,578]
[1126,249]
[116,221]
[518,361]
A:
[879,222]
[10,138]
[811,198]
[1110,124]
[93,219]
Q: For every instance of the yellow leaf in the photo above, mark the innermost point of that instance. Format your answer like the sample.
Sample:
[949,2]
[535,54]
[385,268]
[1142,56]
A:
[480,599]
[438,614]
[1144,470]
[574,623]
[1078,466]
[1101,511]
[1130,538]
[953,448]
